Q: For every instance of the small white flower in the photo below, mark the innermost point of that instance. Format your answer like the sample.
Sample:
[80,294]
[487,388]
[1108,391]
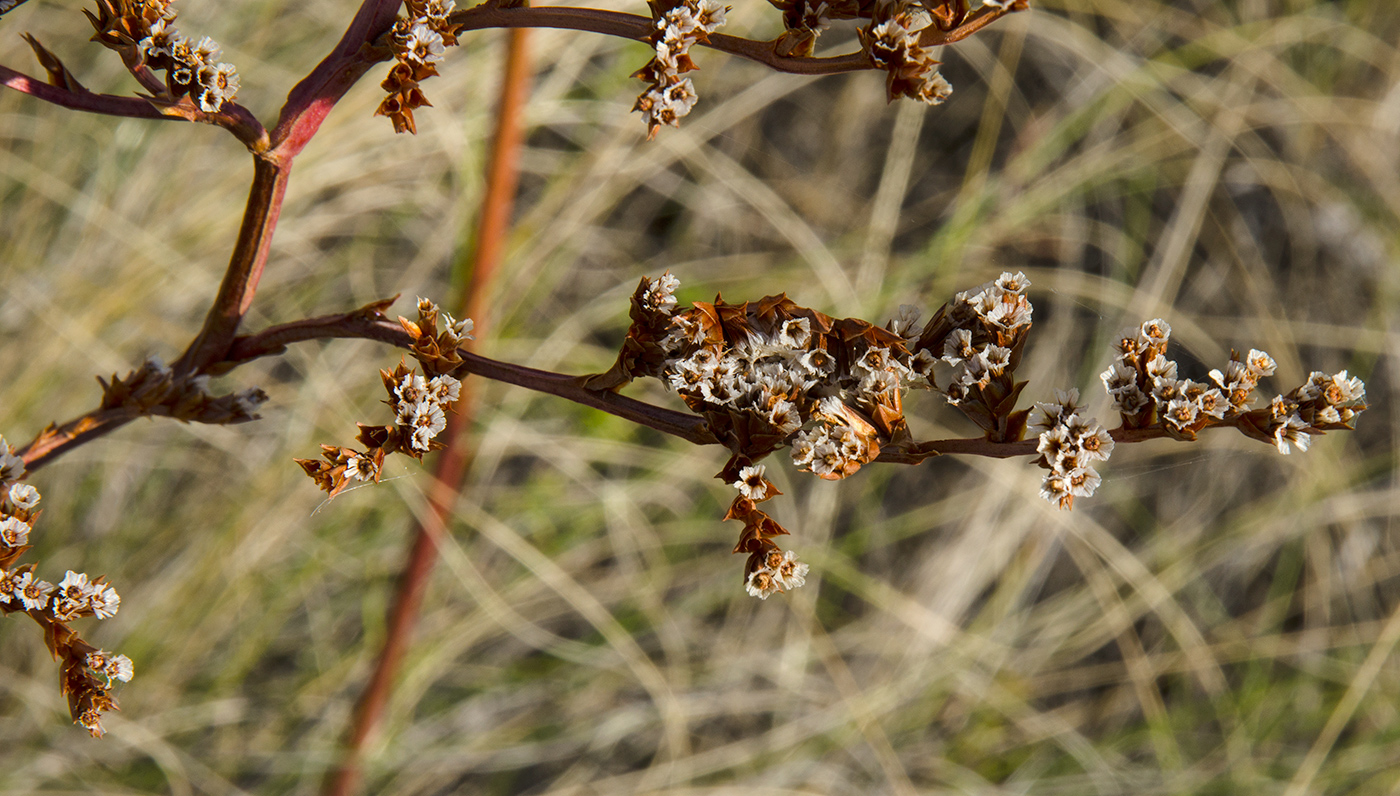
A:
[796,333]
[412,388]
[761,583]
[220,83]
[802,450]
[789,573]
[1154,332]
[424,45]
[1212,402]
[74,586]
[1082,481]
[361,468]
[1055,489]
[751,483]
[661,291]
[996,358]
[904,324]
[710,15]
[33,594]
[119,668]
[1291,431]
[105,602]
[1259,363]
[14,532]
[818,362]
[444,389]
[114,667]
[1130,401]
[1180,412]
[205,51]
[1095,443]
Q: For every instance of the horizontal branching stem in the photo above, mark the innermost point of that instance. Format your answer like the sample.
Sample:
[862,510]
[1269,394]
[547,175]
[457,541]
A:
[371,326]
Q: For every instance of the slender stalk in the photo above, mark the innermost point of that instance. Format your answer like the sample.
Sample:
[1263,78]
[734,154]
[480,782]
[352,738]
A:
[107,104]
[453,462]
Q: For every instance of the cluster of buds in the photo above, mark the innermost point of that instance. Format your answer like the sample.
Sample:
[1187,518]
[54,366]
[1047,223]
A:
[142,31]
[154,389]
[892,42]
[88,674]
[420,404]
[1146,390]
[418,42]
[1068,447]
[679,26]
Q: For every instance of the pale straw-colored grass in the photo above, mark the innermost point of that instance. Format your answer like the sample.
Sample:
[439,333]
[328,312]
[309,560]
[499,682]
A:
[1218,618]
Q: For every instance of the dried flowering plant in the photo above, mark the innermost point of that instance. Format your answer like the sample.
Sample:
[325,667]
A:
[849,416]
[185,78]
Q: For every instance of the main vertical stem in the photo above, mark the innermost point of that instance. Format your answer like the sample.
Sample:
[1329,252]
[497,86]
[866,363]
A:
[453,462]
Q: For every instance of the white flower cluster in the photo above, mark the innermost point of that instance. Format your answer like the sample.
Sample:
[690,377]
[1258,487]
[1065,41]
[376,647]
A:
[999,307]
[74,596]
[781,571]
[1068,447]
[789,377]
[192,66]
[670,96]
[113,667]
[913,71]
[1142,376]
[1326,401]
[417,39]
[420,408]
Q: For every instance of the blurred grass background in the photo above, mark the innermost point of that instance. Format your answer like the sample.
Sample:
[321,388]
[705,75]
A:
[1218,619]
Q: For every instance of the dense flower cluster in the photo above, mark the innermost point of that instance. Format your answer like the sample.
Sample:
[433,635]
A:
[418,41]
[678,28]
[1068,447]
[1142,382]
[88,673]
[833,386]
[144,32]
[1146,388]
[420,403]
[892,42]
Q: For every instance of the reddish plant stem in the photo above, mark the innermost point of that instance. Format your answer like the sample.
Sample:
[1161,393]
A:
[453,462]
[633,26]
[245,268]
[107,104]
[311,100]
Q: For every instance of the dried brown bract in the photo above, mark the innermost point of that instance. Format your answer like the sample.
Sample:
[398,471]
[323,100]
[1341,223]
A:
[155,389]
[418,41]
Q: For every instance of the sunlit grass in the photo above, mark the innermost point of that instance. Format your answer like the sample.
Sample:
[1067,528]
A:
[1217,619]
